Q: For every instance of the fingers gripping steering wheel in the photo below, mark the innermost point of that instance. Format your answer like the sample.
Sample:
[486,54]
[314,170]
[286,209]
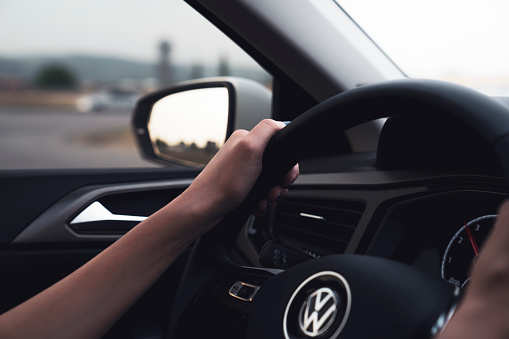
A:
[357,296]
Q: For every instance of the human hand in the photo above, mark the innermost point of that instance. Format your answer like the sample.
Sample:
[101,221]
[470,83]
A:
[484,310]
[226,181]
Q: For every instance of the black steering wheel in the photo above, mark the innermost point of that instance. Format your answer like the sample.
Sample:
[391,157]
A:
[352,295]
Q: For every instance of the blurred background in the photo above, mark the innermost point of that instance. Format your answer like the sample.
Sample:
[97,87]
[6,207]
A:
[71,72]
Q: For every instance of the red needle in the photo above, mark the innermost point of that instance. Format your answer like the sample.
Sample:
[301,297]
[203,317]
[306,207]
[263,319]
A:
[472,241]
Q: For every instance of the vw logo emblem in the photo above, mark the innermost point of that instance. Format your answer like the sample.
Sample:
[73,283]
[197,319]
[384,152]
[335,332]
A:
[318,312]
[318,308]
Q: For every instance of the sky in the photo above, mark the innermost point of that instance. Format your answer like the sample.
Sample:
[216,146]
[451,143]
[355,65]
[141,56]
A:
[196,116]
[124,28]
[426,38]
[433,37]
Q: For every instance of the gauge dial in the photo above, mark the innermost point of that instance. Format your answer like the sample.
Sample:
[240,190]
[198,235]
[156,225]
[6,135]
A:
[463,249]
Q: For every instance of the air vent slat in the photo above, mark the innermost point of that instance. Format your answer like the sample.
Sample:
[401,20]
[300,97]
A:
[322,236]
[317,226]
[343,225]
[321,223]
[323,208]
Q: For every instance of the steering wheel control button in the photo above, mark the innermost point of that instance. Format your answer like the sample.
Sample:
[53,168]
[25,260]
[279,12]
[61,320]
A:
[274,255]
[318,308]
[243,291]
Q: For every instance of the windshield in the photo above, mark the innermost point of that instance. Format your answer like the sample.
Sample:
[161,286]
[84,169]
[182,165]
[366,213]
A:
[460,41]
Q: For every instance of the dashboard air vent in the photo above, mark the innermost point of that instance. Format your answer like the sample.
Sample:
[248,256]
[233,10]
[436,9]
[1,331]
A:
[322,225]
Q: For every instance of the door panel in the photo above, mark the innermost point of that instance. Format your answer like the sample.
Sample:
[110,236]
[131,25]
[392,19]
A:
[25,195]
[38,246]
[100,212]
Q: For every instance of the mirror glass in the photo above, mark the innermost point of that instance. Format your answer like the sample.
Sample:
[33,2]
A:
[189,127]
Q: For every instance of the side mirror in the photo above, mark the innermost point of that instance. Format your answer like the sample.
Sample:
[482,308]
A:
[187,124]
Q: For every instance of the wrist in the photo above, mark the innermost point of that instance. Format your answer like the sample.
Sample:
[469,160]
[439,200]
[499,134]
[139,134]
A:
[202,207]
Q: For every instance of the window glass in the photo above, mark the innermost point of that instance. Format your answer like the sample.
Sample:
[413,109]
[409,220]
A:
[461,41]
[71,71]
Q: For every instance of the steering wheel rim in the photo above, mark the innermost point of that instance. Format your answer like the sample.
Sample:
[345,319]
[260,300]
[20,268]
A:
[315,128]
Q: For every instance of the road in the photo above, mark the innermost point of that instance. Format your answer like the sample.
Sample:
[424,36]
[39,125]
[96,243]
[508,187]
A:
[50,138]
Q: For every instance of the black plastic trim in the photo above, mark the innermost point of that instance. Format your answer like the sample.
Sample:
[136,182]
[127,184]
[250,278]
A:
[27,194]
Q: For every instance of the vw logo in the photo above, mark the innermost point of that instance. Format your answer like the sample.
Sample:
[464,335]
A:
[318,312]
[318,308]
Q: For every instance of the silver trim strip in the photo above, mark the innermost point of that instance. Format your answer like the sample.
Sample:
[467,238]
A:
[51,226]
[235,289]
[312,216]
[97,212]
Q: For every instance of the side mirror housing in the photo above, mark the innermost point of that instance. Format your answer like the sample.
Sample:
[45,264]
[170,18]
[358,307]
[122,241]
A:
[188,123]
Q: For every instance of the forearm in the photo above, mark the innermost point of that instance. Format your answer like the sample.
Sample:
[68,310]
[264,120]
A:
[90,300]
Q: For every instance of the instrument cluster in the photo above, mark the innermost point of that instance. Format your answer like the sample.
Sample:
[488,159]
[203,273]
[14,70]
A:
[441,233]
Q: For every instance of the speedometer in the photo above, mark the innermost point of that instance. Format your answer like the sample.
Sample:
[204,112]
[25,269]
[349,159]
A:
[463,249]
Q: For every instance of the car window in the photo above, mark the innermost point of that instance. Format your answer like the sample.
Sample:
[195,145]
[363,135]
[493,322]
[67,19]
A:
[453,40]
[72,70]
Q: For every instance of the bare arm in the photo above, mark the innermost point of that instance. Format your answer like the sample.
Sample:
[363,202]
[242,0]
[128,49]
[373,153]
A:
[89,301]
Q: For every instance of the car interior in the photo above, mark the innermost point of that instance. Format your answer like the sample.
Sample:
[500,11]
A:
[397,175]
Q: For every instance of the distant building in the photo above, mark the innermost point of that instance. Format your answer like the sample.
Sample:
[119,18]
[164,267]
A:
[223,68]
[211,147]
[164,65]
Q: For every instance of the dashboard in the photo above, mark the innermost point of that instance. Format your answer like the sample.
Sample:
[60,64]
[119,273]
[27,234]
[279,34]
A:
[439,233]
[436,222]
[429,201]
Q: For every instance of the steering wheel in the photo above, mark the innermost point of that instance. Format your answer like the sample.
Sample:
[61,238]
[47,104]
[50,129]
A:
[352,295]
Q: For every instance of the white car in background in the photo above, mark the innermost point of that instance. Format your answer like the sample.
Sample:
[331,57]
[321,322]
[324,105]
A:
[111,99]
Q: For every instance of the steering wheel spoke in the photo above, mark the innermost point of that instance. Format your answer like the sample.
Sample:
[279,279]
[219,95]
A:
[225,304]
